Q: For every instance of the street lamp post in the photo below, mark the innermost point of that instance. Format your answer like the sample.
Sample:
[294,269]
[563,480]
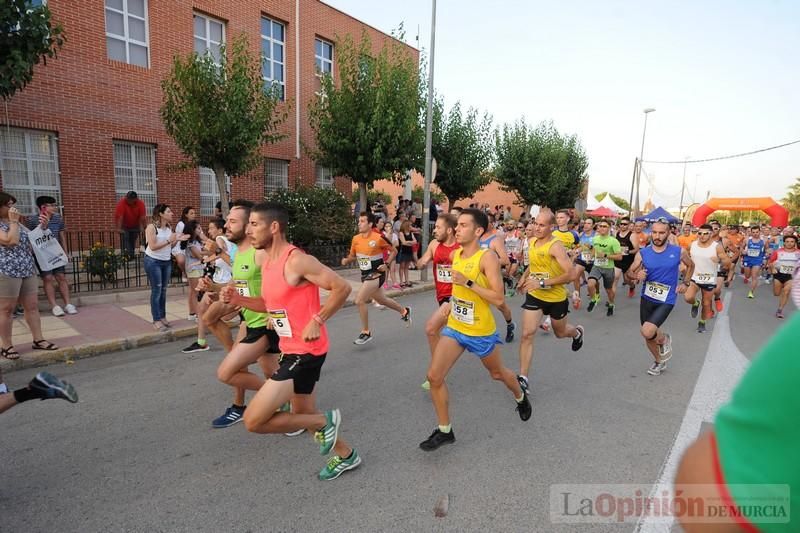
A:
[426,202]
[683,187]
[641,156]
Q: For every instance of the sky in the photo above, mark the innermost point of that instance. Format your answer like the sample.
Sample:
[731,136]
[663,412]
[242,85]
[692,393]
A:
[723,77]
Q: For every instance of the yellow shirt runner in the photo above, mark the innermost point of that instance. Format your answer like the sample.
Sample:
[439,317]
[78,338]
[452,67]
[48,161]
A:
[469,313]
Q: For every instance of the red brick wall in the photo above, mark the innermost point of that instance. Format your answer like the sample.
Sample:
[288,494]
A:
[90,101]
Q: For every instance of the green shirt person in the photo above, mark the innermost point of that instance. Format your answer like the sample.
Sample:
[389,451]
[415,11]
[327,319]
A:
[606,245]
[755,445]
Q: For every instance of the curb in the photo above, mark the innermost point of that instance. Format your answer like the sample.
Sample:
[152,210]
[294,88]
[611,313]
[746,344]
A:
[70,354]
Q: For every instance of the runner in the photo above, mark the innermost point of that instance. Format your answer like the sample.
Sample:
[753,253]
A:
[584,259]
[545,283]
[753,259]
[606,251]
[490,241]
[783,262]
[658,267]
[708,256]
[477,284]
[440,251]
[44,386]
[640,229]
[734,250]
[367,248]
[686,238]
[629,246]
[290,287]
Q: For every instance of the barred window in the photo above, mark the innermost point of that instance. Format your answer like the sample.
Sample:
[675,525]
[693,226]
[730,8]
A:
[324,177]
[135,170]
[276,176]
[29,166]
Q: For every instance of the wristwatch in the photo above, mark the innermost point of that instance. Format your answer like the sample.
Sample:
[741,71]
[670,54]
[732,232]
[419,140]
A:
[541,283]
[470,283]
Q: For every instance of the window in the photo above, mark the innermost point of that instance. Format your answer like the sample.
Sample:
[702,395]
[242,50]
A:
[276,175]
[29,166]
[324,178]
[209,192]
[209,36]
[135,170]
[323,57]
[272,62]
[126,31]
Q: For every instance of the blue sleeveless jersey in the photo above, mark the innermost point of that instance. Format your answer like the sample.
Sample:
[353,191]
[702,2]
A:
[662,268]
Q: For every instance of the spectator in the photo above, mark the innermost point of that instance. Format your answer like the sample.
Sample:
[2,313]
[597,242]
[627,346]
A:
[393,274]
[187,215]
[157,261]
[50,218]
[507,215]
[416,208]
[406,255]
[398,221]
[17,280]
[218,210]
[433,210]
[130,218]
[192,249]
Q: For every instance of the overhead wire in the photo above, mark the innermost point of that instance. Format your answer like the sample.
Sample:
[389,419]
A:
[732,156]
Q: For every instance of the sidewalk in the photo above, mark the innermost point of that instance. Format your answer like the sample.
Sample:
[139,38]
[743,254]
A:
[121,321]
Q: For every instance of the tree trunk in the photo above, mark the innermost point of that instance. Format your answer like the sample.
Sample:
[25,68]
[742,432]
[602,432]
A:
[222,186]
[362,196]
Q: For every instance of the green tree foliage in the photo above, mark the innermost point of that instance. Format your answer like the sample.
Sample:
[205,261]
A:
[27,36]
[792,200]
[418,193]
[372,197]
[367,124]
[220,116]
[316,215]
[620,201]
[541,166]
[462,146]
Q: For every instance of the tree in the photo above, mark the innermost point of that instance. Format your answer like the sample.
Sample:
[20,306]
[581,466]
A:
[27,36]
[622,202]
[220,115]
[369,126]
[792,199]
[462,146]
[541,166]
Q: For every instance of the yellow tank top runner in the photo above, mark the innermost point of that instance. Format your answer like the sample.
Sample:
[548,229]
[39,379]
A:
[469,313]
[545,266]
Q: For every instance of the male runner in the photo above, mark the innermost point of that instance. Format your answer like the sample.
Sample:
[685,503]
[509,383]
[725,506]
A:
[753,259]
[584,259]
[570,239]
[606,251]
[686,238]
[545,283]
[367,248]
[783,262]
[718,236]
[477,284]
[658,267]
[629,246]
[640,229]
[490,241]
[707,256]
[44,386]
[440,251]
[290,287]
[734,249]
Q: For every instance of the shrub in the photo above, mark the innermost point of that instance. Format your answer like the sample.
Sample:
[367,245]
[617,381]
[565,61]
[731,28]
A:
[103,262]
[372,197]
[418,193]
[316,215]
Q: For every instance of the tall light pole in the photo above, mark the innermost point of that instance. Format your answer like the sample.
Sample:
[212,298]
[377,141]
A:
[426,201]
[683,187]
[641,156]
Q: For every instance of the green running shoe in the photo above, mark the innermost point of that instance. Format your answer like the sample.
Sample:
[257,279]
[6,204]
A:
[426,385]
[337,466]
[326,437]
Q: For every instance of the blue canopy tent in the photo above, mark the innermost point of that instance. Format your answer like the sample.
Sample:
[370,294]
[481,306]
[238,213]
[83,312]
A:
[655,214]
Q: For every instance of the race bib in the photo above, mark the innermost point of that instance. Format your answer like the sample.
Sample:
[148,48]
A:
[364,263]
[704,278]
[280,322]
[786,269]
[242,288]
[601,262]
[541,275]
[587,257]
[624,250]
[444,274]
[753,252]
[656,291]
[463,311]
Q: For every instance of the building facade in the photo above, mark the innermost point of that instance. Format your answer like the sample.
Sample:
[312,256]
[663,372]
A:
[87,129]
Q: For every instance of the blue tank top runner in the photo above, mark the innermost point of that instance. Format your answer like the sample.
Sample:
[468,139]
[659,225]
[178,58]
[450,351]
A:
[663,269]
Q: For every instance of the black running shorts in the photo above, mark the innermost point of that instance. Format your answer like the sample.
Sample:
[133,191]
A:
[555,310]
[303,369]
[783,278]
[653,312]
[254,334]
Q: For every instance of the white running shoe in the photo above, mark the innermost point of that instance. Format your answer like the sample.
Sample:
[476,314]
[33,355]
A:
[71,309]
[58,311]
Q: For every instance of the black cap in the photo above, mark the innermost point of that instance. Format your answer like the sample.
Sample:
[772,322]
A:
[131,195]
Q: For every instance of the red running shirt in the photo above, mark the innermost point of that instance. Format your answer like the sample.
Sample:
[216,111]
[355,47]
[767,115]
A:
[291,308]
[442,270]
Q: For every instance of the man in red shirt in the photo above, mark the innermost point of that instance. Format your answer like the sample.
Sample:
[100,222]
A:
[130,218]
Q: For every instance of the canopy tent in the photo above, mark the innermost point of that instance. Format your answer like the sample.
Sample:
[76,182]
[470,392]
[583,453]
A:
[591,203]
[658,212]
[603,212]
[606,201]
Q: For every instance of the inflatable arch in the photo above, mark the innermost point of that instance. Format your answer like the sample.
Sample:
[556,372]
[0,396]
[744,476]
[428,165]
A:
[778,213]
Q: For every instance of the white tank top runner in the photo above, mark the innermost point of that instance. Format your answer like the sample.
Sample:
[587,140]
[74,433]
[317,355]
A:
[705,269]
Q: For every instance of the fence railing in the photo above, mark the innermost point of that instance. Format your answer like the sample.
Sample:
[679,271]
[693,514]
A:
[99,261]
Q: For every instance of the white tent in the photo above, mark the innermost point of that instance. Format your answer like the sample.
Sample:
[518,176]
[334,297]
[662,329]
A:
[606,201]
[591,203]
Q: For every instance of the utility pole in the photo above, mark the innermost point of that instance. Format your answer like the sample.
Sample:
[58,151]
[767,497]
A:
[641,158]
[426,202]
[683,187]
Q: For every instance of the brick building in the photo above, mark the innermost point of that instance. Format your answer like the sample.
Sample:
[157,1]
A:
[87,129]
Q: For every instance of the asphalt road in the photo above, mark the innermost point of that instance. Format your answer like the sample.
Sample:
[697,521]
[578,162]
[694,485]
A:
[137,453]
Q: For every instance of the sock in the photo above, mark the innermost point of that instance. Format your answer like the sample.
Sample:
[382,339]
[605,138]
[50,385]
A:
[3,388]
[239,407]
[510,320]
[702,322]
[716,298]
[201,342]
[445,429]
[522,397]
[596,298]
[610,304]
[351,454]
[23,395]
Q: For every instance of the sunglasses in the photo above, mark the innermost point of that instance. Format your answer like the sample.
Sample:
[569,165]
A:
[704,233]
[662,220]
[623,223]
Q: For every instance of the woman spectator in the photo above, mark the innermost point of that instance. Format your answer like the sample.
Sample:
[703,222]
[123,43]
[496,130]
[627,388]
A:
[391,237]
[157,261]
[192,249]
[187,215]
[406,254]
[17,279]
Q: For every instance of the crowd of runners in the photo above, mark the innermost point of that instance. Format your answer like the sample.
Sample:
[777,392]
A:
[559,267]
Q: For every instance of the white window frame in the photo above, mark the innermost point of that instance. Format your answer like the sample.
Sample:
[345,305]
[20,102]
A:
[321,59]
[207,39]
[271,59]
[31,189]
[271,176]
[121,191]
[324,177]
[125,38]
[205,173]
